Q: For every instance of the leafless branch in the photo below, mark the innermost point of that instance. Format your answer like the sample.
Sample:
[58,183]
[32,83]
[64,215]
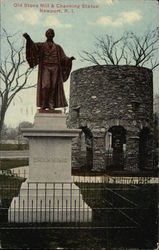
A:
[130,48]
[88,57]
[142,48]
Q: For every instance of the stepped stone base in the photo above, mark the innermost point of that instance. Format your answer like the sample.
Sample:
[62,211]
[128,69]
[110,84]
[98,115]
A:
[49,203]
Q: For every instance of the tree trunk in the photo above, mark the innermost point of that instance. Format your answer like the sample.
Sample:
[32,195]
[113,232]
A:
[2,115]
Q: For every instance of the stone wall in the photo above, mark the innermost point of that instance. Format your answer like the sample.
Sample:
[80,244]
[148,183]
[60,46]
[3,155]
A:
[105,96]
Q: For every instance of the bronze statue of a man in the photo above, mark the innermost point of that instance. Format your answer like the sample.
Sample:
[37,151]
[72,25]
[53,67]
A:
[54,69]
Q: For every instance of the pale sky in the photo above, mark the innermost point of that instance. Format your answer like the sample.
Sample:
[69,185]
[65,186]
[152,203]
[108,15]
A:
[75,30]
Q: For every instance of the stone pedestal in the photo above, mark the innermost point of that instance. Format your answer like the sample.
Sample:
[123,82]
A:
[48,194]
[50,148]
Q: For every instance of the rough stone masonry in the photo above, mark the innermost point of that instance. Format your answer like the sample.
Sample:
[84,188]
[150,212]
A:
[113,105]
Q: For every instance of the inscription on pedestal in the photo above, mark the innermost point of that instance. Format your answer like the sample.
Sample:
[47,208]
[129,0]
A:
[51,159]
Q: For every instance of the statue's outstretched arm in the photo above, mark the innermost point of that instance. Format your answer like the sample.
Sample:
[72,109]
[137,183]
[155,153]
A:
[27,37]
[30,41]
[32,51]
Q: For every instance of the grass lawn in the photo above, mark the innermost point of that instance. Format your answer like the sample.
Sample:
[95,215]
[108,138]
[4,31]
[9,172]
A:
[101,198]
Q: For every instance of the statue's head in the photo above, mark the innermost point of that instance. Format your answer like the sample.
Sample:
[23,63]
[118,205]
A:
[50,33]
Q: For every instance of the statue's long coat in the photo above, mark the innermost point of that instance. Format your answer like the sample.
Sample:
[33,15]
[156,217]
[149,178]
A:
[34,56]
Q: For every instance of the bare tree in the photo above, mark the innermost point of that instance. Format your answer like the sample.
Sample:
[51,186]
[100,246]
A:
[13,72]
[129,49]
[107,51]
[143,49]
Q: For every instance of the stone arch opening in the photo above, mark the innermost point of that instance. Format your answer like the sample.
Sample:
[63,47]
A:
[87,148]
[144,136]
[116,147]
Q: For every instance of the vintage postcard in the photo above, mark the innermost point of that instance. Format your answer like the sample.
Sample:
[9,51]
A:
[79,124]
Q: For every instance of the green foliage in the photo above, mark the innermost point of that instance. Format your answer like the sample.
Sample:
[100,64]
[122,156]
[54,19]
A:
[8,147]
[12,163]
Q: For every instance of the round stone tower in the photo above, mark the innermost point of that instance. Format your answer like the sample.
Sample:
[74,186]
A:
[113,105]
